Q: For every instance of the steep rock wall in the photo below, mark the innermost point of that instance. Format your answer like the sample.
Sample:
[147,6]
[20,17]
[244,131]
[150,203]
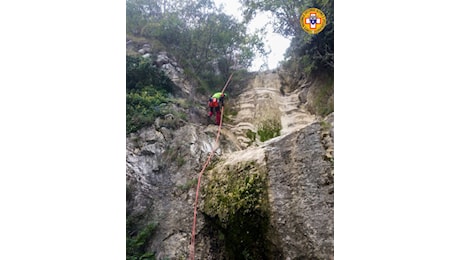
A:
[161,179]
[283,189]
[301,194]
[294,211]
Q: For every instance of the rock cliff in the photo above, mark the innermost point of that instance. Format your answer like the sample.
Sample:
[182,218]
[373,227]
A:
[260,199]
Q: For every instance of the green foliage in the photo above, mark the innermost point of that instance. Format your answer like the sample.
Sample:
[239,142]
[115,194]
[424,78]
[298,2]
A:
[142,73]
[142,109]
[309,55]
[269,129]
[252,136]
[286,13]
[136,245]
[209,81]
[147,91]
[198,34]
[240,189]
[237,197]
[322,103]
[139,230]
[135,18]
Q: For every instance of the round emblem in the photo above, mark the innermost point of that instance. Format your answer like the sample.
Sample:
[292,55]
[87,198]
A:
[313,20]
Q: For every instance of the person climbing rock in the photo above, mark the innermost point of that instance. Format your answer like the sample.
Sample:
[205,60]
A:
[216,102]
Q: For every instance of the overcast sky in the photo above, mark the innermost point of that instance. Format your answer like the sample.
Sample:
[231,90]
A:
[275,42]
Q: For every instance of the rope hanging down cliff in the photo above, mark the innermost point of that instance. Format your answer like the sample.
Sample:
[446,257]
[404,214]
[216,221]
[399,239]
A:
[192,242]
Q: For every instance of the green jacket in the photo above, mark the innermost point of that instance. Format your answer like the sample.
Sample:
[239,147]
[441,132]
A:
[217,95]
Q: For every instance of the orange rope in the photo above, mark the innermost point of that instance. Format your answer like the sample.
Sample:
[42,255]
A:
[192,243]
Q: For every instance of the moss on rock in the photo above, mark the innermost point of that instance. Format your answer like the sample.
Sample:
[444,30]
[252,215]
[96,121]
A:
[236,198]
[269,129]
[235,188]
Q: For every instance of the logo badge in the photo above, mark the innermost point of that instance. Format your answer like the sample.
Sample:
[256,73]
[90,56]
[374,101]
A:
[313,20]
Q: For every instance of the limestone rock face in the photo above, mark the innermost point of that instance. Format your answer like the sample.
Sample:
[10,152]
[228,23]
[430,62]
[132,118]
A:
[173,71]
[298,203]
[263,101]
[161,168]
[283,187]
[301,194]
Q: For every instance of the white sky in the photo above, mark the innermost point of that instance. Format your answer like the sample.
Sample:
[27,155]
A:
[274,42]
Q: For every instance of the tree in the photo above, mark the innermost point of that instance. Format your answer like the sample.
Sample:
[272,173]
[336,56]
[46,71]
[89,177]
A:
[196,32]
[314,53]
[206,42]
[286,13]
